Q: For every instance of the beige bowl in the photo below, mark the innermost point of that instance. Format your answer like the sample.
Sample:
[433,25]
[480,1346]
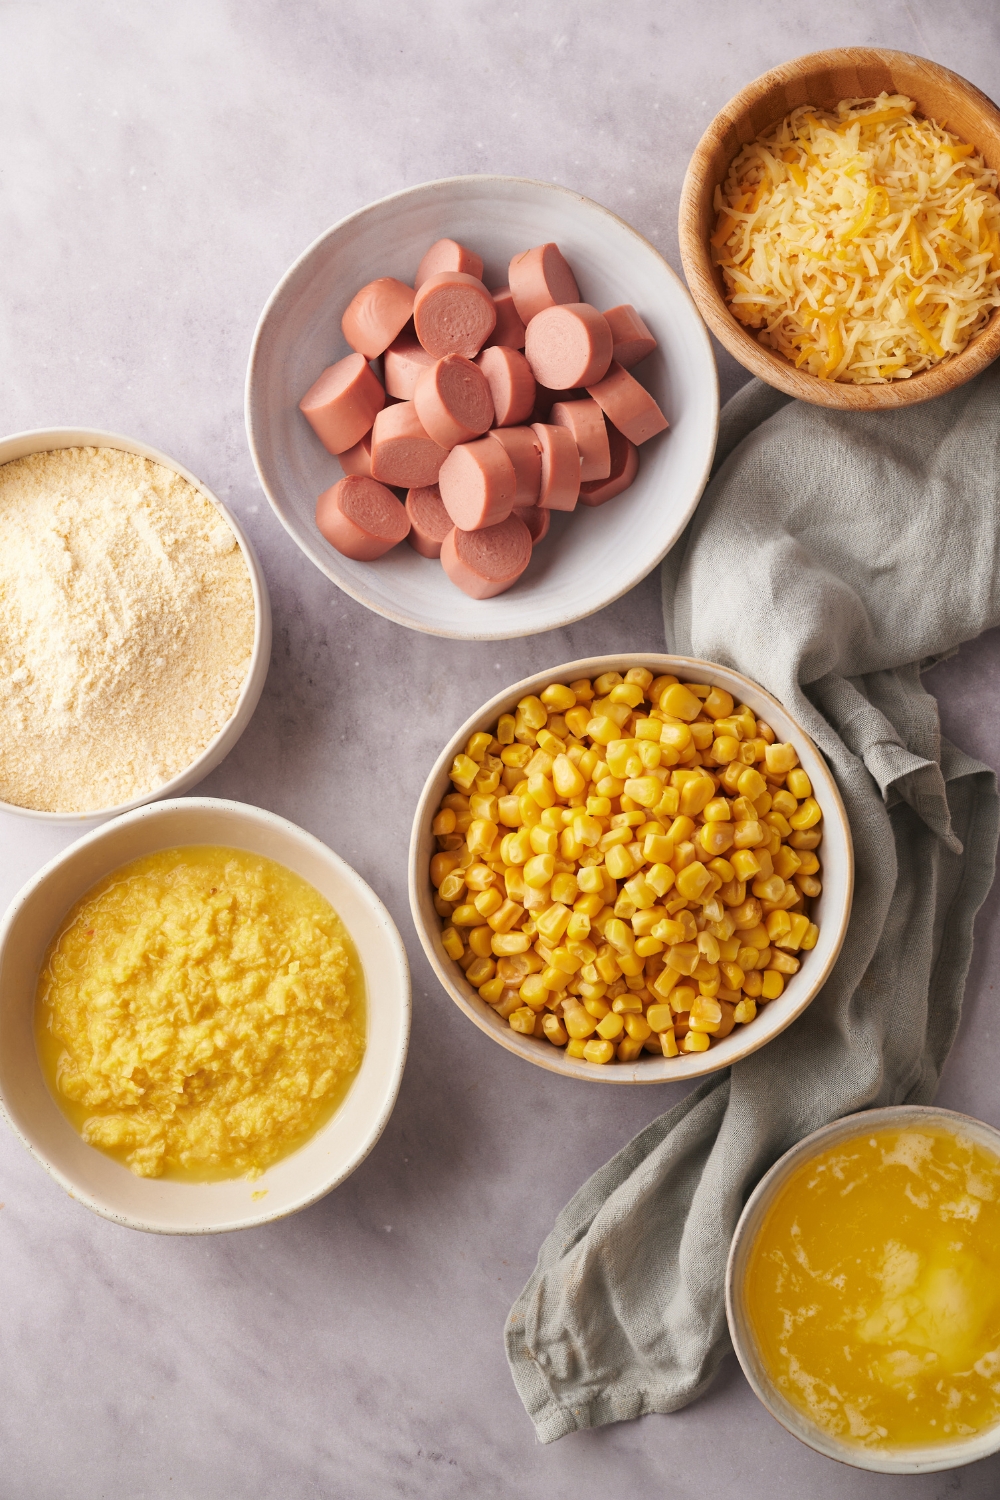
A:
[824,78]
[831,911]
[157,1204]
[47,439]
[901,1461]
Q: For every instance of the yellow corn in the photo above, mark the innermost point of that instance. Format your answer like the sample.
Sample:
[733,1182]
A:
[452,943]
[696,1041]
[481,941]
[464,771]
[772,984]
[751,783]
[637,1027]
[610,1027]
[746,864]
[807,815]
[798,784]
[598,1051]
[706,1015]
[575,1047]
[487,902]
[510,942]
[554,1031]
[578,1021]
[680,703]
[492,990]
[744,1011]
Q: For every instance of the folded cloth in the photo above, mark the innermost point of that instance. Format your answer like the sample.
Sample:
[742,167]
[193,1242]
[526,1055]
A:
[832,556]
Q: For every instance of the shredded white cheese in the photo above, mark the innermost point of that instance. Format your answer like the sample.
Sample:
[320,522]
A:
[864,244]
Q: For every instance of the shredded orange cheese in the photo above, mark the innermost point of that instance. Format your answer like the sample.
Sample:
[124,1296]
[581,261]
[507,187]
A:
[864,244]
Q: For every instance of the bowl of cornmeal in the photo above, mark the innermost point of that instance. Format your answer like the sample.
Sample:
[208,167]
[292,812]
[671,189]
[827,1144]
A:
[135,626]
[204,1017]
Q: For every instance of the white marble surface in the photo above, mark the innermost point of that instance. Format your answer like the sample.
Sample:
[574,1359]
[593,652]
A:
[162,165]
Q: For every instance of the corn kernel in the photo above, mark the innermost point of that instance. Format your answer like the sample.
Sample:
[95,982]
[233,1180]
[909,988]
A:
[452,943]
[660,1017]
[510,942]
[628,1050]
[492,990]
[610,1027]
[598,1051]
[692,881]
[744,1011]
[746,864]
[809,941]
[785,963]
[523,1020]
[706,1015]
[620,862]
[538,870]
[806,815]
[565,888]
[695,1041]
[680,703]
[578,1021]
[778,924]
[487,902]
[554,1030]
[751,783]
[575,1047]
[480,940]
[780,759]
[637,1027]
[773,984]
[631,965]
[479,971]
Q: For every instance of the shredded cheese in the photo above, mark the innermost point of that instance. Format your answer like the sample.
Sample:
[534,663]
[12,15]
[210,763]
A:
[863,244]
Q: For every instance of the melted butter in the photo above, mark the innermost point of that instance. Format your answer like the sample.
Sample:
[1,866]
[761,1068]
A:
[873,1289]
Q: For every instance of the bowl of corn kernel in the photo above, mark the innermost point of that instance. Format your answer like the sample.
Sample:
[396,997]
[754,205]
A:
[631,868]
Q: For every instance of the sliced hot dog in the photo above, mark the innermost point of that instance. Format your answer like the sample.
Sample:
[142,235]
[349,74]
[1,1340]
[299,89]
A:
[404,361]
[560,488]
[485,563]
[632,339]
[540,278]
[453,400]
[585,420]
[448,255]
[376,314]
[536,518]
[343,403]
[430,523]
[509,329]
[568,346]
[522,449]
[360,518]
[511,383]
[624,468]
[453,313]
[402,452]
[358,460]
[628,405]
[478,484]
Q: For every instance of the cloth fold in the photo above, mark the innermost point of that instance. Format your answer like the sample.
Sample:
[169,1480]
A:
[832,556]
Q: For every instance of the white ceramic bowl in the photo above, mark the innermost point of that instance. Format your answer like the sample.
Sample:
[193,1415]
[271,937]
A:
[902,1460]
[46,439]
[590,557]
[169,1207]
[831,911]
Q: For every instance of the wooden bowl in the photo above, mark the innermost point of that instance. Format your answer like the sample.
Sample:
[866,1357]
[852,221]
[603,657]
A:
[824,78]
[831,911]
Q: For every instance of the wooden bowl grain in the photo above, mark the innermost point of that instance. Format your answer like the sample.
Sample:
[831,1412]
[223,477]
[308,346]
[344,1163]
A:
[824,78]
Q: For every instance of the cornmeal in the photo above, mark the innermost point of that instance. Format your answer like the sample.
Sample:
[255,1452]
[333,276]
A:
[201,1013]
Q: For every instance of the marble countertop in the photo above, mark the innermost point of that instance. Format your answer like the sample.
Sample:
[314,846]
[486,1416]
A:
[162,167]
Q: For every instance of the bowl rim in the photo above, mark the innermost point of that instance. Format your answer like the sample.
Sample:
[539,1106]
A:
[151,813]
[947,1456]
[399,616]
[51,439]
[649,1070]
[768,365]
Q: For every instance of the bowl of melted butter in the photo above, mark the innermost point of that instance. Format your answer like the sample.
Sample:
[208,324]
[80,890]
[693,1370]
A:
[863,1290]
[204,1016]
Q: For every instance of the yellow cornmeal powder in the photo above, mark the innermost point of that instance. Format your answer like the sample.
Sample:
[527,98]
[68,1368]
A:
[201,1013]
[126,627]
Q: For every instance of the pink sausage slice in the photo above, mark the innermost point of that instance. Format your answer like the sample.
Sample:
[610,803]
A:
[536,518]
[511,383]
[624,468]
[568,346]
[478,484]
[405,360]
[521,447]
[540,278]
[560,467]
[453,400]
[358,460]
[360,518]
[448,255]
[585,420]
[343,403]
[453,313]
[485,563]
[376,314]
[628,405]
[509,330]
[430,523]
[632,339]
[402,452]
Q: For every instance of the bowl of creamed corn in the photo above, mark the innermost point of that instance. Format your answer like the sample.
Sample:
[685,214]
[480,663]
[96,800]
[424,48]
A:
[631,868]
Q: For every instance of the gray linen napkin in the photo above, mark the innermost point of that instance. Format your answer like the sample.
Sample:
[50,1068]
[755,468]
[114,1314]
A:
[831,557]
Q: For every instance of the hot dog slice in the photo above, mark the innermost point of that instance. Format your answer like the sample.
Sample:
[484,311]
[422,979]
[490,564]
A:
[453,314]
[509,329]
[540,278]
[358,460]
[560,457]
[448,255]
[568,346]
[585,420]
[628,405]
[343,403]
[632,339]
[404,361]
[536,518]
[478,484]
[453,400]
[511,383]
[485,563]
[522,449]
[430,523]
[624,468]
[402,452]
[376,314]
[360,518]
